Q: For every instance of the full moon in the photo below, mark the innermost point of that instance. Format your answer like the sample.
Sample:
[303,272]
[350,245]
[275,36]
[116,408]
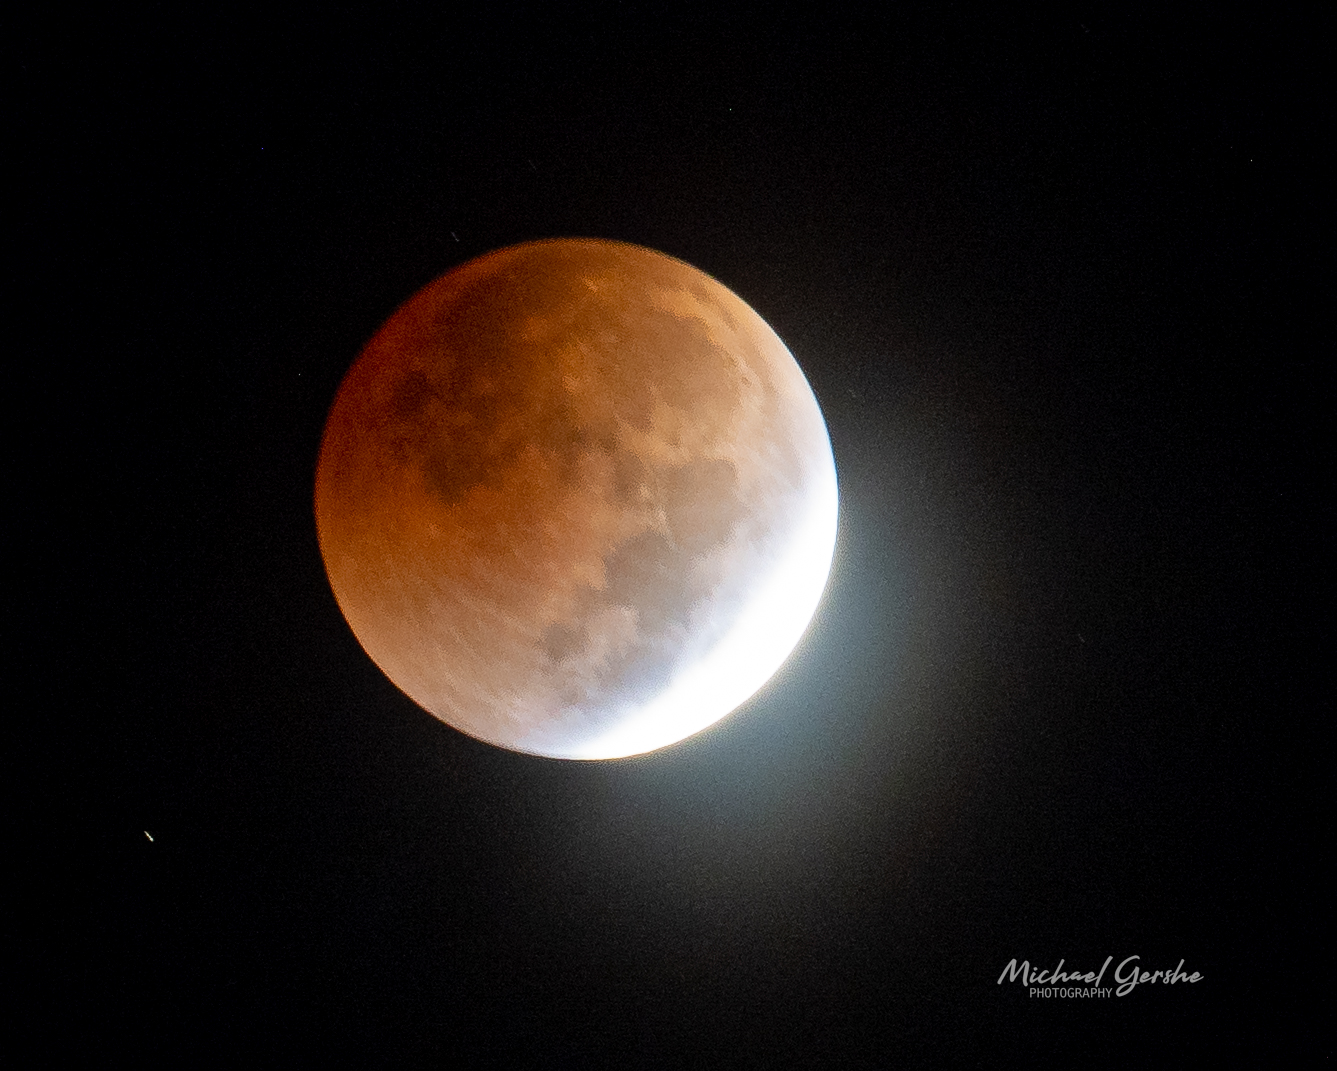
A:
[576,499]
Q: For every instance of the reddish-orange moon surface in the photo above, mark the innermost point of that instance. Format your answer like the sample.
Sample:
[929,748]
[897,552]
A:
[576,498]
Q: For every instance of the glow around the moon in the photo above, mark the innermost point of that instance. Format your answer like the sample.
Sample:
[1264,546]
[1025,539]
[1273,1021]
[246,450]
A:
[577,499]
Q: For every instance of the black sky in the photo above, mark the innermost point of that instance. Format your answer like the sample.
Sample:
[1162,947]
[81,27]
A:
[1054,283]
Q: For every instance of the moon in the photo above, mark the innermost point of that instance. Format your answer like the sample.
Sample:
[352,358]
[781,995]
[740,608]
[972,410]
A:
[576,499]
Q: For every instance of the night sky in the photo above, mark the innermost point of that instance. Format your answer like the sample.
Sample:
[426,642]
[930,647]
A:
[1053,282]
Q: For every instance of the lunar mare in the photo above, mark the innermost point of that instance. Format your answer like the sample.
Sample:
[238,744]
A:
[576,498]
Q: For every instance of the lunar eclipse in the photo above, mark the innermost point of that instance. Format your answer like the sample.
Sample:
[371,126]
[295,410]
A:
[576,499]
